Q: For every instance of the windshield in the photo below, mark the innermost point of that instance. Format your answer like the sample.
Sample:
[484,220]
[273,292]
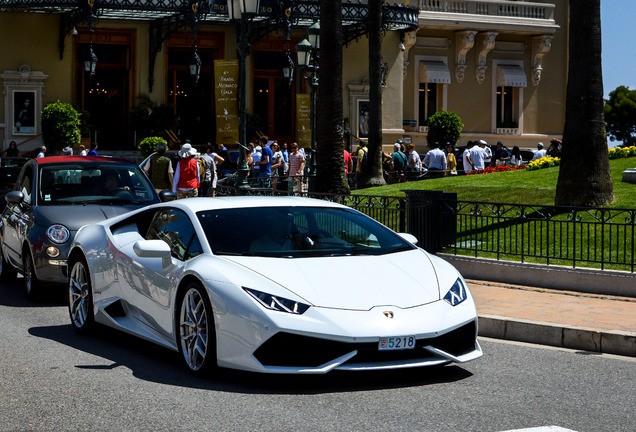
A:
[94,183]
[293,232]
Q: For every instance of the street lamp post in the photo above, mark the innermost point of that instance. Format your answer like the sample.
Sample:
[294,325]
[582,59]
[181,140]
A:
[242,11]
[90,64]
[308,59]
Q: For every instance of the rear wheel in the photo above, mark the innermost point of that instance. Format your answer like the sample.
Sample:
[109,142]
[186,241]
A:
[80,297]
[195,324]
[7,272]
[30,281]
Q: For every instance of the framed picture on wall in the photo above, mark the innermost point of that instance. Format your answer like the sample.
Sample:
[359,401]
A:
[363,118]
[24,112]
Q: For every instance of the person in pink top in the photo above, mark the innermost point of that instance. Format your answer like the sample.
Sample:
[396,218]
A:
[296,167]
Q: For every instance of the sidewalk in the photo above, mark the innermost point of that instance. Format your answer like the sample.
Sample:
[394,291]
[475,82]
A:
[576,320]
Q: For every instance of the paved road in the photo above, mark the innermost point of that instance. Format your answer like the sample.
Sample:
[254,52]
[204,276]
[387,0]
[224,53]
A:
[52,379]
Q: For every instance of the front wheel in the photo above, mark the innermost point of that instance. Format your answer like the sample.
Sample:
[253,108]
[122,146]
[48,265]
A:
[80,298]
[197,340]
[30,281]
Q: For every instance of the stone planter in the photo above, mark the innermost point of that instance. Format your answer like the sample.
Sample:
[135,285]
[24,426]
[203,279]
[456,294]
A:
[629,175]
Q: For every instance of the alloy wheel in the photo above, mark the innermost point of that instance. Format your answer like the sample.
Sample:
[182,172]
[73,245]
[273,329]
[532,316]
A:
[193,329]
[79,298]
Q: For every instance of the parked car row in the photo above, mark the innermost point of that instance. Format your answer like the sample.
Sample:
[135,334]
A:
[252,283]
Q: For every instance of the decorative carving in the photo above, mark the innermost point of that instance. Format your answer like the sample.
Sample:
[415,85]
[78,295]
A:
[464,41]
[485,44]
[24,72]
[410,38]
[540,46]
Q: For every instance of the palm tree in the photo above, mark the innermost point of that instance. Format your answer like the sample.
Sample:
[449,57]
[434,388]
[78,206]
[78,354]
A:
[584,174]
[329,117]
[372,175]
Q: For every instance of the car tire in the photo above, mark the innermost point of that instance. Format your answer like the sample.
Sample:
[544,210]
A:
[196,336]
[30,281]
[80,297]
[7,272]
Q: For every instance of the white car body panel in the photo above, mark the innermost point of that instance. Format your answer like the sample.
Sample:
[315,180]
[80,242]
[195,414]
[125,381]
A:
[349,296]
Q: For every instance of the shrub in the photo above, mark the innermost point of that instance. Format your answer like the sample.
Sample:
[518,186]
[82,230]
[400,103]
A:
[622,152]
[149,145]
[60,126]
[444,127]
[544,162]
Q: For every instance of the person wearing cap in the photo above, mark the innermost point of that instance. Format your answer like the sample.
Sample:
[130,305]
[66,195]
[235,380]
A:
[487,152]
[159,169]
[42,152]
[501,154]
[186,175]
[540,152]
[67,151]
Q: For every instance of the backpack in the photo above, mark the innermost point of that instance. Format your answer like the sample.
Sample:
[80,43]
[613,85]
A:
[203,166]
[364,162]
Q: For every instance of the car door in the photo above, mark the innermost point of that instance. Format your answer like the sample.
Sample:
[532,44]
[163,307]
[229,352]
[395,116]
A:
[154,283]
[17,218]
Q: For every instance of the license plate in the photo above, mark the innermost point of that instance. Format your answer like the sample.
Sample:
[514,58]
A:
[396,343]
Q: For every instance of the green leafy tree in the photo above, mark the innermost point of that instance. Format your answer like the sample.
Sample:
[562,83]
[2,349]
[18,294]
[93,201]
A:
[148,145]
[444,127]
[620,115]
[60,126]
[584,173]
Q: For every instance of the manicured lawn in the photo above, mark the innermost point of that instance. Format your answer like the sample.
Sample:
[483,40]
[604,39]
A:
[522,186]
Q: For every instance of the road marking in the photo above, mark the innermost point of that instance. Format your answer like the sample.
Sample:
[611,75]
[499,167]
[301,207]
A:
[543,429]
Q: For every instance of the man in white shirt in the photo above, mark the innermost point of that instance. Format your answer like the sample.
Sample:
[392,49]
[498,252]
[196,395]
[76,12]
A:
[487,152]
[540,152]
[477,156]
[435,161]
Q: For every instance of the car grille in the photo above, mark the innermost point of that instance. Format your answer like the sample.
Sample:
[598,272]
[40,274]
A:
[290,350]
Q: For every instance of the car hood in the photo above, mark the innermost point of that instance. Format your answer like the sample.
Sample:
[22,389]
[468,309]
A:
[404,279]
[75,216]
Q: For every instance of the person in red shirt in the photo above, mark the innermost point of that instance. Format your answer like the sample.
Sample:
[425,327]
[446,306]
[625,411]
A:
[186,175]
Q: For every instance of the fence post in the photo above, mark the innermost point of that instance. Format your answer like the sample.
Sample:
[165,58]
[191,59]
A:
[433,222]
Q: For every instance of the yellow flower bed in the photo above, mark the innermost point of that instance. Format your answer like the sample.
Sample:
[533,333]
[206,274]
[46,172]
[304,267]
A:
[544,162]
[622,152]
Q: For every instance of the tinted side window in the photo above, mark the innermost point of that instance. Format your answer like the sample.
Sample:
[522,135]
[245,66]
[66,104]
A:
[25,185]
[174,227]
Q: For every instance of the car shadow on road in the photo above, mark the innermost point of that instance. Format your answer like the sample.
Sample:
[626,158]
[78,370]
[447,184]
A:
[153,363]
[12,295]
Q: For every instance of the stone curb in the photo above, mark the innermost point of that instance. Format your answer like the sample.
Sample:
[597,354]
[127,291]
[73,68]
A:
[603,341]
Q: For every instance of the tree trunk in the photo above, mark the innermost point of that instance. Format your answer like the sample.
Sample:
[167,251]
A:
[372,175]
[329,130]
[584,174]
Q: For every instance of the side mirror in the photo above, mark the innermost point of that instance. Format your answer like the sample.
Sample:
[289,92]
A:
[153,249]
[14,197]
[166,196]
[408,237]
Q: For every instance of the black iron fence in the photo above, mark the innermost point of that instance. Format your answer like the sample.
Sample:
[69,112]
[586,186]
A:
[557,235]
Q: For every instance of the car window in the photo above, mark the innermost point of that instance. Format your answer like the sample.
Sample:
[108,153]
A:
[174,227]
[101,183]
[25,185]
[294,232]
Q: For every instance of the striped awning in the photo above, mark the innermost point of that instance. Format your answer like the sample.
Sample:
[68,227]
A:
[433,72]
[511,76]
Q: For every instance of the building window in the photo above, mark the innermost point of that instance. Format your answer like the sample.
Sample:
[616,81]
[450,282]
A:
[506,117]
[428,102]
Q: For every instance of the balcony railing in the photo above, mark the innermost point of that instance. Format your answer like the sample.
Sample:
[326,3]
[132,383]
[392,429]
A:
[487,12]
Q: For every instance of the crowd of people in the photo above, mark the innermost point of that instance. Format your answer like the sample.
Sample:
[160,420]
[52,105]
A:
[270,164]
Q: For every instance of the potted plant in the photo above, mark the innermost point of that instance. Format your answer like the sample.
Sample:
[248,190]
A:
[60,126]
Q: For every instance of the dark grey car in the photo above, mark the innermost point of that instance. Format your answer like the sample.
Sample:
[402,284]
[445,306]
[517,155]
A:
[53,197]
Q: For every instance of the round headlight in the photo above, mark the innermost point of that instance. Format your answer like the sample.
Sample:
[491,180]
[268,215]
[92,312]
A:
[58,233]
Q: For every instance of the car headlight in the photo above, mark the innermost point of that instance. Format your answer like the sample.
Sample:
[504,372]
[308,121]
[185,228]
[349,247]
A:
[276,303]
[456,294]
[58,233]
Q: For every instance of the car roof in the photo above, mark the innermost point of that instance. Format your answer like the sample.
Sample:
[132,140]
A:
[201,204]
[54,159]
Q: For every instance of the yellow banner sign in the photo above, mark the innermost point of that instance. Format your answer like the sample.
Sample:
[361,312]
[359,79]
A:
[226,84]
[303,119]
